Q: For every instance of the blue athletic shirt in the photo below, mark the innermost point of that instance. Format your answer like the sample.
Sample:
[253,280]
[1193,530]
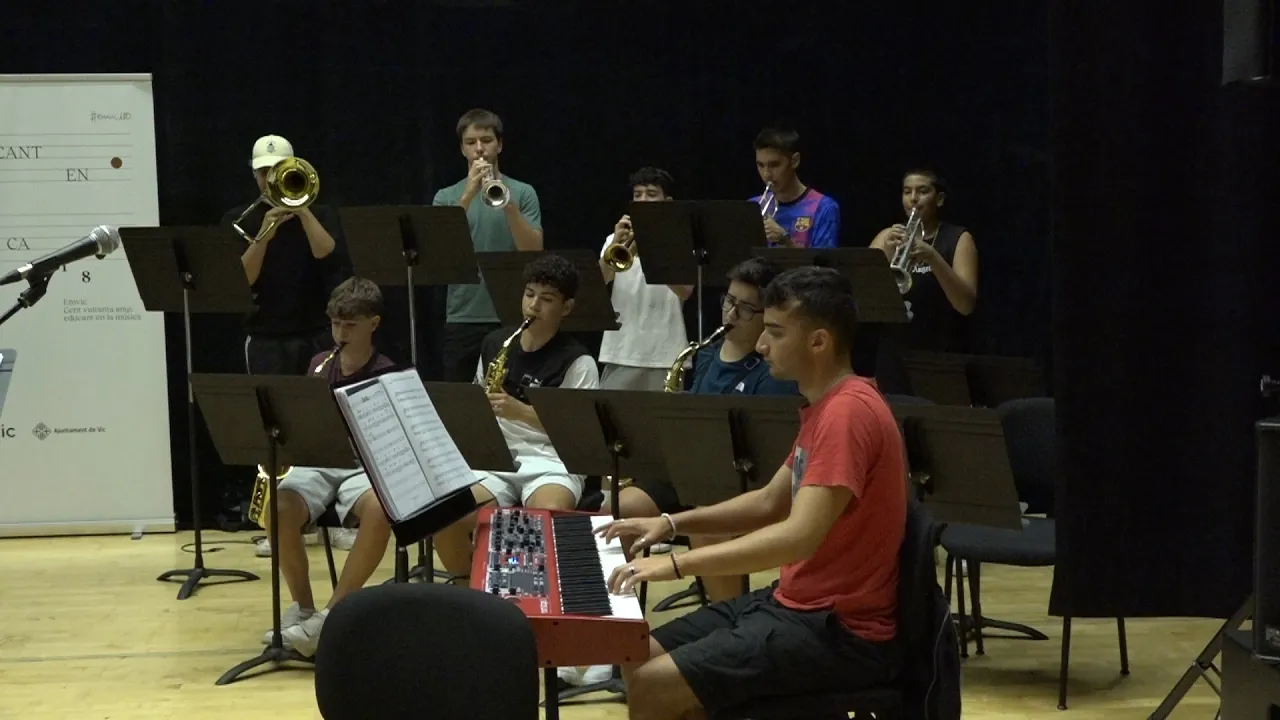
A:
[713,376]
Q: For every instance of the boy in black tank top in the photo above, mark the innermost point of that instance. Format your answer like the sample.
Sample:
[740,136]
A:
[541,356]
[944,271]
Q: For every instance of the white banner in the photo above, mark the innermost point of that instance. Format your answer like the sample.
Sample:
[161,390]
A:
[84,421]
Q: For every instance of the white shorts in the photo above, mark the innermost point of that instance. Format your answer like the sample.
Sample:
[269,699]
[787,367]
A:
[515,488]
[321,486]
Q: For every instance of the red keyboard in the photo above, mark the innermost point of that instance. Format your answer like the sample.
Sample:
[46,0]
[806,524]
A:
[553,566]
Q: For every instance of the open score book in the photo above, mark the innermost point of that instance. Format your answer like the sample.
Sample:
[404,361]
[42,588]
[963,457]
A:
[411,460]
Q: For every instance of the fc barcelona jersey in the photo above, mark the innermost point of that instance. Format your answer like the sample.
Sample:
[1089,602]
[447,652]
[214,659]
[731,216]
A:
[812,220]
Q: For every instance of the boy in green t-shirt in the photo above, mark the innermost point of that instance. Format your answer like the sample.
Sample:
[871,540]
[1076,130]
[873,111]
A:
[470,314]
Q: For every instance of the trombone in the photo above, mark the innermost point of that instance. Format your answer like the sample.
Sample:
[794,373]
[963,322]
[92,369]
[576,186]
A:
[292,184]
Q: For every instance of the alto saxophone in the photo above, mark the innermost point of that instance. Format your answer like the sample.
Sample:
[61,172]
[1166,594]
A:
[495,373]
[675,376]
[262,484]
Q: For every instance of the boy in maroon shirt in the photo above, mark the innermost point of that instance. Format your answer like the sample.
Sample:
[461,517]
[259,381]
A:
[832,518]
[355,310]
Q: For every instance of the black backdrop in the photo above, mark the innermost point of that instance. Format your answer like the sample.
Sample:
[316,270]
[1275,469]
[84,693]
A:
[1150,295]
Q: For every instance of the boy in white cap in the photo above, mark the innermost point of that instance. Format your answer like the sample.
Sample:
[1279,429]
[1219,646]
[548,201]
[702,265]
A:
[292,270]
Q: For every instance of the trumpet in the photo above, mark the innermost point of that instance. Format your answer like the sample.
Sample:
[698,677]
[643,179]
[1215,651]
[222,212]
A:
[675,375]
[768,202]
[621,255]
[901,264]
[495,194]
[292,184]
[262,483]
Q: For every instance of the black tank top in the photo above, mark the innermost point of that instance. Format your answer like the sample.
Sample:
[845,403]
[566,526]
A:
[935,324]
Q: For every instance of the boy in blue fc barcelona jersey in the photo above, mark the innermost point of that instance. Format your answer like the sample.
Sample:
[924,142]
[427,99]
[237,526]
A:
[804,218]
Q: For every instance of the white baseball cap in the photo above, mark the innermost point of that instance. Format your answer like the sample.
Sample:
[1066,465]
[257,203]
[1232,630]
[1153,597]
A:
[269,150]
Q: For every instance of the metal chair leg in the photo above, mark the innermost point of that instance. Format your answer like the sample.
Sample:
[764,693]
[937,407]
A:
[1066,656]
[1124,648]
[975,586]
[965,622]
[328,555]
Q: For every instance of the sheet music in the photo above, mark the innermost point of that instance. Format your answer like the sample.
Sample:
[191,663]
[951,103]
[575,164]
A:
[392,462]
[447,471]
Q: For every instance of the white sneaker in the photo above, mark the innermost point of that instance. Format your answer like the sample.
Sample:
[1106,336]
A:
[342,538]
[305,636]
[291,616]
[597,674]
[262,548]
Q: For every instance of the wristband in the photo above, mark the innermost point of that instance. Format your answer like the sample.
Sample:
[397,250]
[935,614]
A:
[672,523]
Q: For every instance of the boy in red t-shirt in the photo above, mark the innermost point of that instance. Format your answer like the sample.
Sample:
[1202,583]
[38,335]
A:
[832,518]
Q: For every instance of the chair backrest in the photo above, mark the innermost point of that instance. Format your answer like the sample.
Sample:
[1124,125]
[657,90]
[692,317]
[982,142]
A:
[1030,434]
[426,650]
[930,670]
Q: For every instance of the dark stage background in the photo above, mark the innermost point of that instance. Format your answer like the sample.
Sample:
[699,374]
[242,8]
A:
[1154,413]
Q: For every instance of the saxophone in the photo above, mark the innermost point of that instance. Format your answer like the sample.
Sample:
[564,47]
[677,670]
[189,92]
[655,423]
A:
[262,484]
[495,373]
[675,376]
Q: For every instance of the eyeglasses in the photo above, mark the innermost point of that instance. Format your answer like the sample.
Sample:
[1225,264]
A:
[744,311]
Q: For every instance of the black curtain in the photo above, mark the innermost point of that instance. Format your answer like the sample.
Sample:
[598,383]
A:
[1164,216]
[370,91]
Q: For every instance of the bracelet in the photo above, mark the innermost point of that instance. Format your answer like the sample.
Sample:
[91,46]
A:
[676,565]
[671,522]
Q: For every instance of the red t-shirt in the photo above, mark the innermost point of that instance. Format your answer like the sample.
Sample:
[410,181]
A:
[333,371]
[850,439]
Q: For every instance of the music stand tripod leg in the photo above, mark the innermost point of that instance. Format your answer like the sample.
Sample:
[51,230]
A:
[275,653]
[197,572]
[1204,662]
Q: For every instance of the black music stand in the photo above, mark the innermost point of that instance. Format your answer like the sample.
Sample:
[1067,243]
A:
[695,242]
[190,270]
[276,421]
[742,440]
[962,460]
[939,377]
[874,288]
[386,244]
[598,432]
[994,380]
[592,308]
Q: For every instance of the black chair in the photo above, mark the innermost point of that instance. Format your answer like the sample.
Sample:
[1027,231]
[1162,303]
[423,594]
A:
[1029,428]
[917,591]
[421,650]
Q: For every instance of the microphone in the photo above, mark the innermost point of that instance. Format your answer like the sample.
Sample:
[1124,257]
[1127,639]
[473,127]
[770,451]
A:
[102,241]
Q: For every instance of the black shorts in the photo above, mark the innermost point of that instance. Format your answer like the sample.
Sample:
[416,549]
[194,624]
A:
[461,349]
[752,647]
[662,493]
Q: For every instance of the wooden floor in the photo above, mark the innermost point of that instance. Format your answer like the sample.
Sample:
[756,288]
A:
[87,633]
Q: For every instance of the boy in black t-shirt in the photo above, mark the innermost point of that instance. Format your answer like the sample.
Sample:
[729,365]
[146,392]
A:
[541,356]
[292,269]
[355,311]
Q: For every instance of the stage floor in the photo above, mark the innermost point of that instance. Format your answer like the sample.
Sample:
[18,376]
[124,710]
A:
[87,633]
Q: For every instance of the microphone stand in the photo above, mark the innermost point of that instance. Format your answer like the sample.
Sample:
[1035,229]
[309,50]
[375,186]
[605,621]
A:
[36,289]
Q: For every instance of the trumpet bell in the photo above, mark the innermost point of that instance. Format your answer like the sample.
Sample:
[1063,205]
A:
[619,257]
[903,280]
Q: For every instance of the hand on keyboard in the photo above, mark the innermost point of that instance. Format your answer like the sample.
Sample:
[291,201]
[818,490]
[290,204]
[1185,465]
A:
[650,569]
[647,531]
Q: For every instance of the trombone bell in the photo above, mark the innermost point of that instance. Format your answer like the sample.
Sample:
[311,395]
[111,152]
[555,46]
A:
[292,184]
